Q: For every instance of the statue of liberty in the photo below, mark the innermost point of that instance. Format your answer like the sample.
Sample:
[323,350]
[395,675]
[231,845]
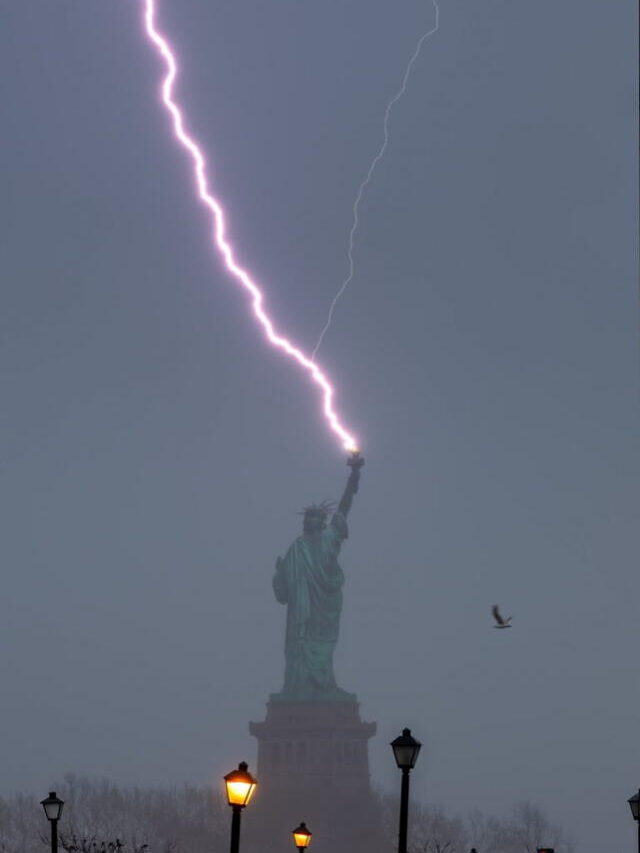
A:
[309,581]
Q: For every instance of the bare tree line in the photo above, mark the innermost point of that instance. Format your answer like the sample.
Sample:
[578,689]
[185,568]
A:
[524,829]
[100,817]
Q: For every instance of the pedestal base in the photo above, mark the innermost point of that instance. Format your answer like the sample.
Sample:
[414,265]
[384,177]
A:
[313,766]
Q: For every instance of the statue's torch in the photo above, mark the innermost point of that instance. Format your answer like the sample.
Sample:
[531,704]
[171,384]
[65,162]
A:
[355,460]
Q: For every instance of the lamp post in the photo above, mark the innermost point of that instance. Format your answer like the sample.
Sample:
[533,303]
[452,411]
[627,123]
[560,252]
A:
[634,805]
[405,751]
[301,837]
[52,806]
[240,786]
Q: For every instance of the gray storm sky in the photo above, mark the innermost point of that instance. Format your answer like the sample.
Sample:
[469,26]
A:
[154,451]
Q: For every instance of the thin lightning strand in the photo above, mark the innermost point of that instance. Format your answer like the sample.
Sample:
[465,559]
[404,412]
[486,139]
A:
[369,175]
[221,241]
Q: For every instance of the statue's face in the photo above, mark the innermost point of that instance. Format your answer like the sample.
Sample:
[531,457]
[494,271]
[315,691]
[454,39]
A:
[313,523]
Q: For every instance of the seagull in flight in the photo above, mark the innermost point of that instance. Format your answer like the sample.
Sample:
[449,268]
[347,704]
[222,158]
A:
[502,623]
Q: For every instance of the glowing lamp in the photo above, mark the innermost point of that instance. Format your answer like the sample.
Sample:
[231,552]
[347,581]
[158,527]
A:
[405,750]
[240,786]
[52,806]
[301,836]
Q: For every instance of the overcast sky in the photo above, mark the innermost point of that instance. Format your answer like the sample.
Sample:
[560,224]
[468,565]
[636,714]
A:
[154,451]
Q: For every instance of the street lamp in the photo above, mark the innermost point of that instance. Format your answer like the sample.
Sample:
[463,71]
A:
[405,751]
[634,805]
[240,786]
[52,806]
[301,837]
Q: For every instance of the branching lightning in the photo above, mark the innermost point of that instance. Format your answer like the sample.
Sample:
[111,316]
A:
[220,239]
[372,167]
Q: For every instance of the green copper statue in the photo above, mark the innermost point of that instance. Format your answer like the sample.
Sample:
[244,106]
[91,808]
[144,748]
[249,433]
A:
[309,581]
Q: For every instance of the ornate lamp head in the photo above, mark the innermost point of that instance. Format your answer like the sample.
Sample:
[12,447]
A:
[301,836]
[240,785]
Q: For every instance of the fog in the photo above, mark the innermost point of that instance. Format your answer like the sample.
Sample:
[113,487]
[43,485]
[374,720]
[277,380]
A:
[154,451]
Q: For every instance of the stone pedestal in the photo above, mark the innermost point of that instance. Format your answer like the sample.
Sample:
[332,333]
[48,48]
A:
[313,766]
[317,744]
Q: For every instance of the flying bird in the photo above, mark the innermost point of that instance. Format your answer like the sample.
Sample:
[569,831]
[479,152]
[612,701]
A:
[502,623]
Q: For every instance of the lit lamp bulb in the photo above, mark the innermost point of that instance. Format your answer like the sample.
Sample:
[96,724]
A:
[240,785]
[301,836]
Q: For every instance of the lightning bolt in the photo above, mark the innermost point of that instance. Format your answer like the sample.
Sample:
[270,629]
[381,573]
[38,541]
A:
[220,240]
[372,167]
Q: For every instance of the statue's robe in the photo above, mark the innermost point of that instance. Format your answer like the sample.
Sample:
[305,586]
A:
[309,581]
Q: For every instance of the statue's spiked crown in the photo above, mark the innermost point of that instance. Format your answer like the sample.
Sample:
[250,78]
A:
[320,510]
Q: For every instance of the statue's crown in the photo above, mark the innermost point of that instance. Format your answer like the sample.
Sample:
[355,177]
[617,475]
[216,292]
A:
[320,510]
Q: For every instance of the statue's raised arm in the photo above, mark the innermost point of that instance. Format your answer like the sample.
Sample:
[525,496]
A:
[355,462]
